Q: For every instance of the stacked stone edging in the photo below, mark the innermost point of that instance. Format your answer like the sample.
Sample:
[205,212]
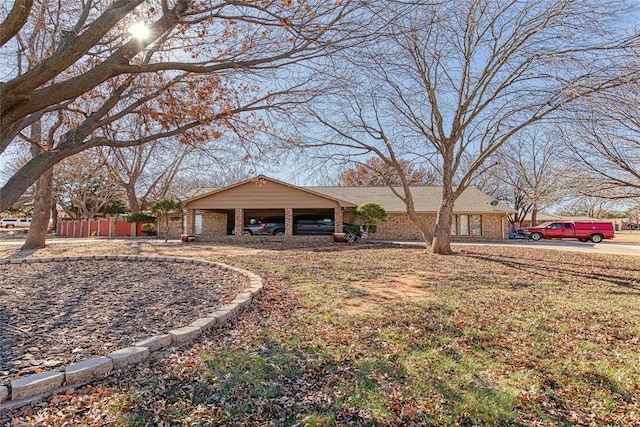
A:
[34,387]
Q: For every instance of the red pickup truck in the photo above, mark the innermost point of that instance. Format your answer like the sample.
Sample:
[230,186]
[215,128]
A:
[595,231]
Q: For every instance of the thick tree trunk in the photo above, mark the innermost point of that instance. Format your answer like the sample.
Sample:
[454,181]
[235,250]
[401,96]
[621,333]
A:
[37,235]
[534,216]
[132,200]
[427,235]
[442,236]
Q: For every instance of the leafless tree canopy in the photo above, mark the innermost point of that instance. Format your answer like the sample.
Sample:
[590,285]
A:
[529,173]
[374,172]
[83,187]
[604,143]
[205,69]
[449,82]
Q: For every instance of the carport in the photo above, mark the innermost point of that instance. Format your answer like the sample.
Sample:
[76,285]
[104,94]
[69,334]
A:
[216,212]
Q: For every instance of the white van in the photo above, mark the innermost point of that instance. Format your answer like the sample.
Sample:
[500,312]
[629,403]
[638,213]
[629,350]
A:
[15,222]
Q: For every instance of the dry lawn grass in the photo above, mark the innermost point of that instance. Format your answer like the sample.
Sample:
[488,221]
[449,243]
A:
[383,335]
[375,294]
[627,236]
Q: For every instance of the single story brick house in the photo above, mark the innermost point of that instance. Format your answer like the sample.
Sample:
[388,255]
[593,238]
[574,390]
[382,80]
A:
[215,214]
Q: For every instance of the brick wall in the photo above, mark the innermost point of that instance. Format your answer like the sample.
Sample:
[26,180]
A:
[494,227]
[400,227]
[396,227]
[175,228]
[214,225]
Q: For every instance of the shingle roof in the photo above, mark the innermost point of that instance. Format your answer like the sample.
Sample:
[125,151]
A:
[426,199]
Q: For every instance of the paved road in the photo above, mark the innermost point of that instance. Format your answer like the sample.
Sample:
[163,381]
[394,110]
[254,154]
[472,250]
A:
[605,247]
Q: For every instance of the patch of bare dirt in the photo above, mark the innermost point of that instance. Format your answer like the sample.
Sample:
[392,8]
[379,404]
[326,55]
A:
[385,290]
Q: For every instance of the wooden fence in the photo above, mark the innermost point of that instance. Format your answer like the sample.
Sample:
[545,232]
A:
[98,228]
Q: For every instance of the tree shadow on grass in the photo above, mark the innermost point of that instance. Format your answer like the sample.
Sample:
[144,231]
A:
[628,278]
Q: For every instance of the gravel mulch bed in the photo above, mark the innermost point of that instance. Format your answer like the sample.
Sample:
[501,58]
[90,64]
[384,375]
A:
[53,314]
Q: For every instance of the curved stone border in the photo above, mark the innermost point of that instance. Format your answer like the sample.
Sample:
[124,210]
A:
[31,388]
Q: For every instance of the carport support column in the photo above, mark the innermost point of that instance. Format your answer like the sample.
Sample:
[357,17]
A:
[337,214]
[190,226]
[288,222]
[239,222]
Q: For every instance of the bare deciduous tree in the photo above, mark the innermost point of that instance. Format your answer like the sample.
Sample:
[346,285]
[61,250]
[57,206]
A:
[591,206]
[199,72]
[145,172]
[374,172]
[450,82]
[527,173]
[83,187]
[605,143]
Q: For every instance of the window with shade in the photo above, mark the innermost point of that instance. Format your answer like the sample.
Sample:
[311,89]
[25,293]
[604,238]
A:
[466,225]
[476,225]
[197,225]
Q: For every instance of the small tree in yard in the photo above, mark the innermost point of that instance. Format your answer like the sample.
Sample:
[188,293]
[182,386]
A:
[370,213]
[168,209]
[148,221]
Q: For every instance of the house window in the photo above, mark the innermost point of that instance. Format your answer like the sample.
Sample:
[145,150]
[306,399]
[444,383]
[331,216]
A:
[476,225]
[454,225]
[197,226]
[464,225]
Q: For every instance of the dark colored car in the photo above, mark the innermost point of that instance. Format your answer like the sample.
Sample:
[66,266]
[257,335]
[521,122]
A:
[311,226]
[249,230]
[273,225]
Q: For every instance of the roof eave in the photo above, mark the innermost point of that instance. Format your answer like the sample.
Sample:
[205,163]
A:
[340,202]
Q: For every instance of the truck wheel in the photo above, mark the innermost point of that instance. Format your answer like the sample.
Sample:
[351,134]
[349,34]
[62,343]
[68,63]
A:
[536,236]
[596,238]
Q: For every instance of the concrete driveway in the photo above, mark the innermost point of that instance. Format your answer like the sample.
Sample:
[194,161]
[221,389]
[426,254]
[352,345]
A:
[605,247]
